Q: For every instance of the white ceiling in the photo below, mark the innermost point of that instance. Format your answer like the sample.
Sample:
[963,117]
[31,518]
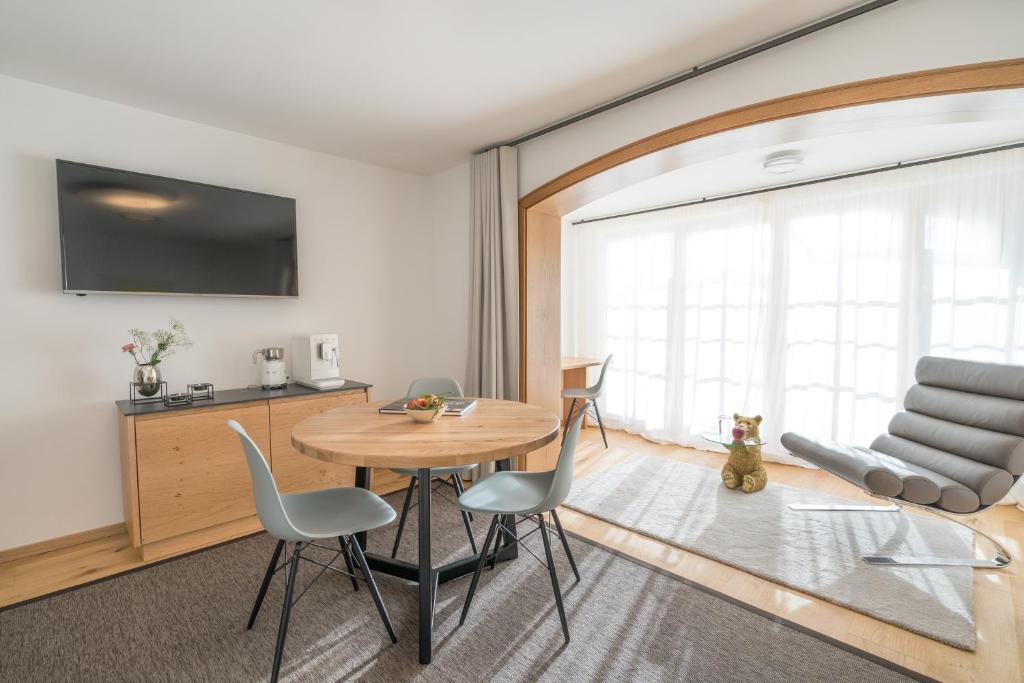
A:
[831,142]
[408,84]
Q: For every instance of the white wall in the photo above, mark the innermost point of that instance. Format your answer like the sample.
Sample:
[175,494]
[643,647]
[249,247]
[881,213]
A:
[909,35]
[431,335]
[362,231]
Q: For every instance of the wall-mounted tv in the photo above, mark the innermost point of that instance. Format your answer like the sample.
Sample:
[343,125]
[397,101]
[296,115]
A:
[135,233]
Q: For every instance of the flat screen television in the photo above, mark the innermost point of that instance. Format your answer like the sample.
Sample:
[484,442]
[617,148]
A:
[130,232]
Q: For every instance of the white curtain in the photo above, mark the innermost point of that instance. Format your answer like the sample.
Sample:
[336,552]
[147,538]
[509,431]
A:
[808,306]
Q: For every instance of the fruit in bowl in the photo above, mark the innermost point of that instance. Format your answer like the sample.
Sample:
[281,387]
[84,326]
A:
[425,408]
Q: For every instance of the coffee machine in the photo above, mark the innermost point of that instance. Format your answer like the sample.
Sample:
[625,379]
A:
[273,373]
[315,359]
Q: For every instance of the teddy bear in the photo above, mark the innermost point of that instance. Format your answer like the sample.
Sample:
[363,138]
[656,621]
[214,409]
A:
[745,469]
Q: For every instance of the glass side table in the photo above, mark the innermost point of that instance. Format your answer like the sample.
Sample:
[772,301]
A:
[727,440]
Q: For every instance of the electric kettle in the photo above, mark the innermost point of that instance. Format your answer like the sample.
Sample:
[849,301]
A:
[273,374]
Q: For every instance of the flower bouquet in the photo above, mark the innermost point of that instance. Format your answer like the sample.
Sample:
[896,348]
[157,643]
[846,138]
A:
[147,350]
[426,408]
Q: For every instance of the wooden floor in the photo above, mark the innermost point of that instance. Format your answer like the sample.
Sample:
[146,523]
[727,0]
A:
[62,563]
[998,595]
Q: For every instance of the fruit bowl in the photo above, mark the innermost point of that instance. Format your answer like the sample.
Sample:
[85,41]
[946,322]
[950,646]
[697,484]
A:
[426,408]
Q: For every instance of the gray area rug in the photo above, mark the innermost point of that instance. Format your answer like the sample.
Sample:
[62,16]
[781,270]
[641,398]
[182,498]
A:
[185,621]
[814,552]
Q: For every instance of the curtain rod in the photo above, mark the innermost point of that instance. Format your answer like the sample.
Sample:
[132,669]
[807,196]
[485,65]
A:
[699,70]
[827,179]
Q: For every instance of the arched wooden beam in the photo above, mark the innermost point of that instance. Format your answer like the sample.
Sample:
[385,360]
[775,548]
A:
[541,210]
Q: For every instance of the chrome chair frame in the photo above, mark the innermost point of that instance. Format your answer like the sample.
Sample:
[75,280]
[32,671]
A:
[1002,558]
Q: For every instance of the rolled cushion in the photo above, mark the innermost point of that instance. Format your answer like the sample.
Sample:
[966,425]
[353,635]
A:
[931,488]
[1005,451]
[860,466]
[989,484]
[991,379]
[993,413]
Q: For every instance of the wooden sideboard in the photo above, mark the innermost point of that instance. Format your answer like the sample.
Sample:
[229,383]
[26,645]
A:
[185,481]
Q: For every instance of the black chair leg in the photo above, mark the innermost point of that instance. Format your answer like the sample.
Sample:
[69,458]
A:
[565,544]
[554,578]
[361,559]
[469,531]
[266,584]
[600,423]
[282,629]
[568,419]
[460,488]
[405,513]
[479,568]
[466,516]
[348,562]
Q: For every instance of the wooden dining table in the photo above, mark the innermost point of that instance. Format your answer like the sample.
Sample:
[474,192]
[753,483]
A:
[493,431]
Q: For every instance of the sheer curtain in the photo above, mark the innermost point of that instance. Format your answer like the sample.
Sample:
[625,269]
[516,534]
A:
[808,306]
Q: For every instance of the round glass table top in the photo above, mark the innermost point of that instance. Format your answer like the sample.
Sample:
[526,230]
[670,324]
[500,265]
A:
[728,440]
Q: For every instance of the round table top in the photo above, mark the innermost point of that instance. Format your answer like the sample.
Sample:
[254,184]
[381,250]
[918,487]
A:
[359,435]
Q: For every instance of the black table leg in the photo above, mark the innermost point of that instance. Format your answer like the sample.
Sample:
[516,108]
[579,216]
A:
[363,482]
[423,572]
[426,571]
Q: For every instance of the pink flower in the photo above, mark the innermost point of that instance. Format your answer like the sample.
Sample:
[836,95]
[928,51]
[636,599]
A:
[128,348]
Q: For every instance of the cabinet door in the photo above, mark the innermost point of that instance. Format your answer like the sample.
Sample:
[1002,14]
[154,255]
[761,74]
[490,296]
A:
[294,471]
[192,471]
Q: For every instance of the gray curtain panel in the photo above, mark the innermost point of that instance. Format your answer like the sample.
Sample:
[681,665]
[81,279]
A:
[493,368]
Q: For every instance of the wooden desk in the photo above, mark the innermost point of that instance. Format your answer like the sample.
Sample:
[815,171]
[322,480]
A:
[574,375]
[359,436]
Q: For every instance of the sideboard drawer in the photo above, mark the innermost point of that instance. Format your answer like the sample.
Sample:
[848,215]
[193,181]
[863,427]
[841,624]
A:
[191,469]
[294,471]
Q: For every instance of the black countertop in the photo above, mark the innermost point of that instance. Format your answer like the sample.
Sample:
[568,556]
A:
[228,396]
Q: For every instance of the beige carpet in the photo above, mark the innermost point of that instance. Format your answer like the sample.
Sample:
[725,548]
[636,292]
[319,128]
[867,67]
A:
[814,552]
[185,621]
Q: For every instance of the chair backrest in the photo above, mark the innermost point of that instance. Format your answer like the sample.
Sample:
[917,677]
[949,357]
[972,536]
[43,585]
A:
[269,506]
[561,479]
[963,420]
[598,387]
[440,386]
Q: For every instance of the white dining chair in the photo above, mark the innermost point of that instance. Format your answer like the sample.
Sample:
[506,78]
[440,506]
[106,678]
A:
[304,518]
[529,495]
[588,397]
[440,386]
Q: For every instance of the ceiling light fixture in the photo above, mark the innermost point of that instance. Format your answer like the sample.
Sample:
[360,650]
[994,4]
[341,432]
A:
[783,162]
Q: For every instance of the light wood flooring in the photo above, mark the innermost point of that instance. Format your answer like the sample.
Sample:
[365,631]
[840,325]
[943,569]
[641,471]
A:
[998,594]
[52,566]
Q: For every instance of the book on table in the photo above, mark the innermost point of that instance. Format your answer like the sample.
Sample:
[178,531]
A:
[452,406]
